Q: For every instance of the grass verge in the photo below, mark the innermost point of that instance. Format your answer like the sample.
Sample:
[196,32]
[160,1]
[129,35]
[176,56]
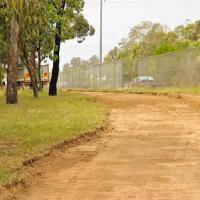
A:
[35,124]
[194,90]
[140,89]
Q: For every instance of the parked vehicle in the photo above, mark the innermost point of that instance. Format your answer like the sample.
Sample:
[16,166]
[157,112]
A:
[4,82]
[23,77]
[144,81]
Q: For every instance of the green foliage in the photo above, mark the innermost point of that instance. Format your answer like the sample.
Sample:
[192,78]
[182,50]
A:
[163,90]
[147,39]
[3,39]
[42,25]
[112,55]
[76,62]
[164,48]
[68,14]
[80,63]
[94,60]
[33,126]
[195,43]
[34,22]
[37,20]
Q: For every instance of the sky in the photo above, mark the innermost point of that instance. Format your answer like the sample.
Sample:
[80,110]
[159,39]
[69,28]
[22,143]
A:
[118,18]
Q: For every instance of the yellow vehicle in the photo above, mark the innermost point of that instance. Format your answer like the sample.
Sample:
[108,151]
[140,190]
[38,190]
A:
[23,76]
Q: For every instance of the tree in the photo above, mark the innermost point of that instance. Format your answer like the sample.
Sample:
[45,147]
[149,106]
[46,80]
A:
[11,92]
[44,46]
[112,55]
[21,20]
[31,23]
[147,39]
[76,62]
[138,32]
[44,43]
[9,11]
[153,38]
[164,48]
[3,45]
[94,60]
[66,67]
[70,24]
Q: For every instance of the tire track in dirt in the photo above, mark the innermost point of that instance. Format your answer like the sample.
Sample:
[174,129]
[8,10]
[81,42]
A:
[150,152]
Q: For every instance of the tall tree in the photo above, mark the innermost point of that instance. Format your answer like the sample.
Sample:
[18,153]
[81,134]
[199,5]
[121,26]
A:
[32,20]
[11,92]
[9,11]
[22,20]
[70,24]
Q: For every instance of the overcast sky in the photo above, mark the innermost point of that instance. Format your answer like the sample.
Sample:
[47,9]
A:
[121,15]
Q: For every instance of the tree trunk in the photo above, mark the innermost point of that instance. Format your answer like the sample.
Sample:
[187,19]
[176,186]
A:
[31,69]
[39,68]
[56,62]
[11,92]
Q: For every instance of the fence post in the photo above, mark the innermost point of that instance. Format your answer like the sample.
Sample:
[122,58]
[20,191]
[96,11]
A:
[100,75]
[88,77]
[88,85]
[158,66]
[70,80]
[117,76]
[138,70]
[65,79]
[79,78]
[73,78]
[107,76]
[94,77]
[114,75]
[147,72]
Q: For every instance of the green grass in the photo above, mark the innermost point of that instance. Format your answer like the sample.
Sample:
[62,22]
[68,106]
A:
[34,124]
[140,89]
[1,93]
[194,90]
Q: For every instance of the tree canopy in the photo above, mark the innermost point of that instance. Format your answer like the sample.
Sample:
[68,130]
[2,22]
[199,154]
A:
[33,30]
[147,39]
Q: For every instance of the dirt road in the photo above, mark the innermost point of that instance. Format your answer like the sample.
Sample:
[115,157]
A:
[150,152]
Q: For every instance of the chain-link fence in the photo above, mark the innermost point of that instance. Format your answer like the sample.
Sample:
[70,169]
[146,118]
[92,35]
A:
[95,76]
[181,68]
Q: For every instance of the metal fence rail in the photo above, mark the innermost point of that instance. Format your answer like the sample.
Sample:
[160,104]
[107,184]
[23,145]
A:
[181,68]
[96,76]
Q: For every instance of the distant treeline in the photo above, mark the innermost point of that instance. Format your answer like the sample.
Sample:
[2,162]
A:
[147,38]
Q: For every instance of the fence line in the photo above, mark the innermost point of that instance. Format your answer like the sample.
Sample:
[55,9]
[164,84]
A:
[95,76]
[180,68]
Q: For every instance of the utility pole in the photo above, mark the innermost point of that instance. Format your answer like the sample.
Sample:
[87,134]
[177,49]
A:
[101,38]
[101,31]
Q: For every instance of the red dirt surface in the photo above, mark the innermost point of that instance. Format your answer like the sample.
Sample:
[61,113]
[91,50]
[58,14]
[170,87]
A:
[151,151]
